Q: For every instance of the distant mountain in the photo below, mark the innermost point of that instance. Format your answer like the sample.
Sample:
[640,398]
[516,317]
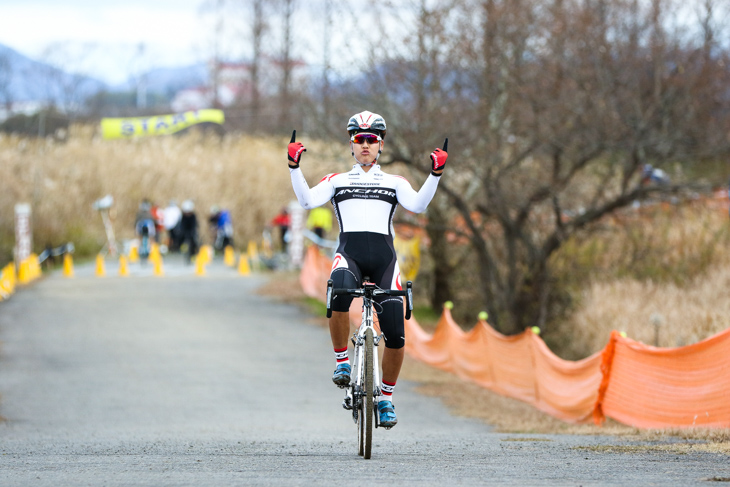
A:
[22,79]
[168,81]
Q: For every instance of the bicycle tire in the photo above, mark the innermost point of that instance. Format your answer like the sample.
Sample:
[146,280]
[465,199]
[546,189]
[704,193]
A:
[360,430]
[368,398]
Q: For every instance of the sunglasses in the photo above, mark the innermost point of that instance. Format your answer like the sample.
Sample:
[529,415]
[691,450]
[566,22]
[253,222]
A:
[369,138]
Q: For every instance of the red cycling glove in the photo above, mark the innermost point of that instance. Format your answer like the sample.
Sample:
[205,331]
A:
[438,157]
[295,151]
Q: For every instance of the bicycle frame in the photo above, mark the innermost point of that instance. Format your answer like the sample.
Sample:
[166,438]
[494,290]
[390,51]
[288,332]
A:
[362,388]
[357,388]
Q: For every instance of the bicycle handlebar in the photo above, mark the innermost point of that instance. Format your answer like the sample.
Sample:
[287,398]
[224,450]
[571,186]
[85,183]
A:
[372,291]
[361,292]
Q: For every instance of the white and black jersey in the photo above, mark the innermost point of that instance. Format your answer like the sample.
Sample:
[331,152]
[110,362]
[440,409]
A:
[364,201]
[365,204]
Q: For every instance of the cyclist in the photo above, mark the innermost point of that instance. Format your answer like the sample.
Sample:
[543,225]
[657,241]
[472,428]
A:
[364,200]
[221,227]
[144,227]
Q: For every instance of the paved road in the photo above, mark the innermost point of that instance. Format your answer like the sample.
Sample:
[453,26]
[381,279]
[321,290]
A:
[184,380]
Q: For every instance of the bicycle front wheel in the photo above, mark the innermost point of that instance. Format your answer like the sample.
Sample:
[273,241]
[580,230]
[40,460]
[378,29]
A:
[368,403]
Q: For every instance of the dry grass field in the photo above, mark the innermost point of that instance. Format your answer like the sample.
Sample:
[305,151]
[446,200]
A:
[662,279]
[61,180]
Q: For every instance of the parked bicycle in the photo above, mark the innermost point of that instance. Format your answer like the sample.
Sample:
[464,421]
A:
[364,386]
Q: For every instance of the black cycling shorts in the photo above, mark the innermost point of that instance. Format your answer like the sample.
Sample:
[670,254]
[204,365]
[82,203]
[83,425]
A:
[372,255]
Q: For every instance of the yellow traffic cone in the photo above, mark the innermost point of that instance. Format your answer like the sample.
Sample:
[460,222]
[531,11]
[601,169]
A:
[133,254]
[200,264]
[157,269]
[155,253]
[7,281]
[100,269]
[243,267]
[123,267]
[207,252]
[35,267]
[9,278]
[229,257]
[24,272]
[68,265]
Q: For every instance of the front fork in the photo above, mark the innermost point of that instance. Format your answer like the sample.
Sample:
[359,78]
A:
[355,393]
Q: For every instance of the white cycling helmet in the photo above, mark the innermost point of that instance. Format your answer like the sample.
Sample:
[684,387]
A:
[366,122]
[187,206]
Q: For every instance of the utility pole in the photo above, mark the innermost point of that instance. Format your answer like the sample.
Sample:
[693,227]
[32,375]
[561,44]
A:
[326,62]
[257,36]
[286,75]
[215,69]
[141,78]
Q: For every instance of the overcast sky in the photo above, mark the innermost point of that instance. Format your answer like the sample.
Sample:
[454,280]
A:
[108,32]
[102,38]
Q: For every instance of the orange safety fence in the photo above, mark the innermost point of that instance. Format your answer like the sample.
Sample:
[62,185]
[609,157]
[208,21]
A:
[633,383]
[652,387]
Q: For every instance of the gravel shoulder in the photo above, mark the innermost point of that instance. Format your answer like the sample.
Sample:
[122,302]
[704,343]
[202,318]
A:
[184,380]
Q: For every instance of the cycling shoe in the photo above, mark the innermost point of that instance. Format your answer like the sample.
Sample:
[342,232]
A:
[341,377]
[386,410]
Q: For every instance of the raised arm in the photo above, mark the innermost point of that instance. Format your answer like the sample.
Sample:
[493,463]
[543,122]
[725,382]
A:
[417,202]
[311,197]
[308,197]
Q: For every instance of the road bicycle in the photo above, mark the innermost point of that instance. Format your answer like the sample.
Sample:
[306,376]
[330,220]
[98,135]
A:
[365,378]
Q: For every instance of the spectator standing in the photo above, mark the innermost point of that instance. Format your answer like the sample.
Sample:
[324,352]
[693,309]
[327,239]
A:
[283,221]
[157,217]
[319,221]
[171,220]
[221,227]
[189,229]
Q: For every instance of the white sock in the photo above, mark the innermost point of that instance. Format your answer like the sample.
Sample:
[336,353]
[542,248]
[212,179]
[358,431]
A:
[386,391]
[341,356]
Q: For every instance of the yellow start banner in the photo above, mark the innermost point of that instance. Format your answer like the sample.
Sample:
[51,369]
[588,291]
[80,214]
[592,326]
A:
[124,128]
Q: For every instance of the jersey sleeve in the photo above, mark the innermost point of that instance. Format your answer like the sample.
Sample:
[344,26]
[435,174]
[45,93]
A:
[417,202]
[311,197]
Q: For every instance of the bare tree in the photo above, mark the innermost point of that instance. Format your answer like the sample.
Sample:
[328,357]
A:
[66,79]
[285,85]
[326,62]
[257,34]
[553,109]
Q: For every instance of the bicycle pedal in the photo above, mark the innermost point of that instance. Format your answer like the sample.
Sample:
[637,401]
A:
[347,404]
